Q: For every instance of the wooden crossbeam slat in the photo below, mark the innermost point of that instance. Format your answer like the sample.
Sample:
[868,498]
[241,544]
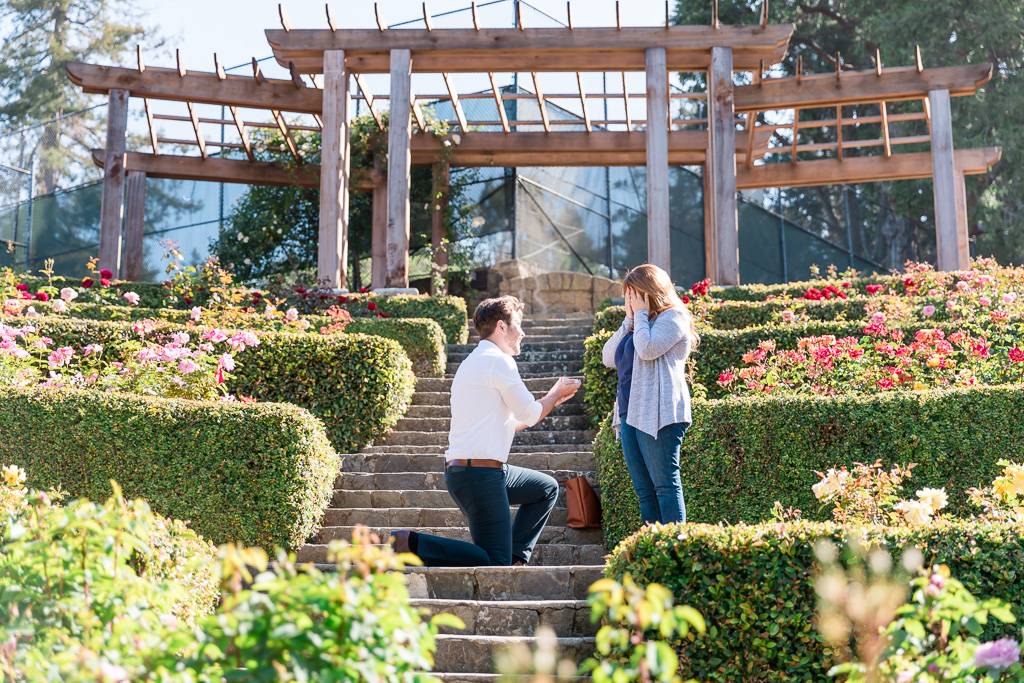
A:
[453,93]
[625,101]
[243,134]
[541,104]
[192,143]
[368,98]
[417,113]
[282,126]
[839,132]
[496,91]
[583,102]
[152,127]
[885,128]
[195,126]
[217,121]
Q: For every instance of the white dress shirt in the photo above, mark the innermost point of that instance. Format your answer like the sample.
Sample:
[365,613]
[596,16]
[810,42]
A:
[489,400]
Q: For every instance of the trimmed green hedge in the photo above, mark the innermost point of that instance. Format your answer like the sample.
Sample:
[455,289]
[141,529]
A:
[255,474]
[754,586]
[422,338]
[359,385]
[448,311]
[759,292]
[744,453]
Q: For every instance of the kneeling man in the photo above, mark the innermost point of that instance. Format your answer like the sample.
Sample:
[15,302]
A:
[490,403]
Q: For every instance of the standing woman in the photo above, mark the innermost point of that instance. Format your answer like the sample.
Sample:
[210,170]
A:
[652,402]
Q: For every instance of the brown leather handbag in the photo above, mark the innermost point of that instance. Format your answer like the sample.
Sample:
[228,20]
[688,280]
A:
[584,505]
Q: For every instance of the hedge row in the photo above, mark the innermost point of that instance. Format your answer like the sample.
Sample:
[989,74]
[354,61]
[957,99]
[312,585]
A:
[359,385]
[255,474]
[754,586]
[422,339]
[742,454]
[796,289]
[737,315]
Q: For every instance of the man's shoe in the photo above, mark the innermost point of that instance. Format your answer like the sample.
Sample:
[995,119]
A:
[400,541]
[519,562]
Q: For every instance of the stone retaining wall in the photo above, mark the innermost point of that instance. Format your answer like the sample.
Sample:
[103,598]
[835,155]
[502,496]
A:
[560,292]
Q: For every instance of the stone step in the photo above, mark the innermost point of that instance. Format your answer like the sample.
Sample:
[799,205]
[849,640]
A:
[538,385]
[569,582]
[548,335]
[553,327]
[409,518]
[433,498]
[567,408]
[444,398]
[567,618]
[542,370]
[475,654]
[534,435]
[422,481]
[434,462]
[551,534]
[498,678]
[528,355]
[439,449]
[529,344]
[544,555]
[442,424]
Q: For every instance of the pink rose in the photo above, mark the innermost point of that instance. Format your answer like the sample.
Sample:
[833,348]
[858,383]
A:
[68,294]
[59,306]
[187,366]
[928,311]
[131,297]
[61,356]
[985,301]
[196,313]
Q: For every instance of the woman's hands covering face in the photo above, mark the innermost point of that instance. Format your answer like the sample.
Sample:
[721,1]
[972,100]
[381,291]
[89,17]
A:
[635,301]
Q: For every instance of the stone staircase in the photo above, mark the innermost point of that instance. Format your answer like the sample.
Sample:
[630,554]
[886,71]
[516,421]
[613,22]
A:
[399,484]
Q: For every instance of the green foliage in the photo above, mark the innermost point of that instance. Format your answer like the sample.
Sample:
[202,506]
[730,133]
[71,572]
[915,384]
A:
[359,385]
[258,474]
[88,587]
[421,338]
[755,585]
[742,454]
[632,645]
[448,311]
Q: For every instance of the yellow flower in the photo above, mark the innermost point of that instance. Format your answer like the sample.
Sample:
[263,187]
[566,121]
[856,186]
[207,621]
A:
[1003,487]
[934,361]
[1015,473]
[14,476]
[919,386]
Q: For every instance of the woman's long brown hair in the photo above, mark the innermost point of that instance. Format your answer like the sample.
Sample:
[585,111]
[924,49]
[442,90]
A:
[656,286]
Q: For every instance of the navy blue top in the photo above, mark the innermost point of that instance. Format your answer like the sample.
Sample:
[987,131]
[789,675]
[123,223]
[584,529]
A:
[624,365]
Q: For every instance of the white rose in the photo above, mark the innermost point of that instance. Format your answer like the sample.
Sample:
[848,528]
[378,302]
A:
[935,499]
[68,294]
[915,512]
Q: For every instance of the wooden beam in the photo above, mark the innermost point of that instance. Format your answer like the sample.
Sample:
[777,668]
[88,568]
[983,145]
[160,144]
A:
[243,134]
[332,246]
[583,103]
[865,169]
[658,228]
[152,128]
[368,97]
[440,182]
[454,95]
[134,225]
[721,168]
[112,200]
[625,101]
[535,49]
[282,126]
[399,166]
[201,87]
[541,104]
[379,227]
[414,107]
[499,103]
[952,251]
[886,142]
[195,128]
[860,87]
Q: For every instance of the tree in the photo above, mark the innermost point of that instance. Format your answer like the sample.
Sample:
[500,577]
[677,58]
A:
[894,221]
[39,38]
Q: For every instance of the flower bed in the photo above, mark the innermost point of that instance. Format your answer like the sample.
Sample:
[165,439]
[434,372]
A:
[755,586]
[359,385]
[743,454]
[252,473]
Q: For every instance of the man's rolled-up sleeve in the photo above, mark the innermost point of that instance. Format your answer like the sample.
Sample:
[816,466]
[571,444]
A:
[525,408]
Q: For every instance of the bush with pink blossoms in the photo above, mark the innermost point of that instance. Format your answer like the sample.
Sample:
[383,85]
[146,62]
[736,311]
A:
[175,366]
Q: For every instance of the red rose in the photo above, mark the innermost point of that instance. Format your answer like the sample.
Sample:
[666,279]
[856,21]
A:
[685,299]
[1017,355]
[363,290]
[187,300]
[874,289]
[220,375]
[21,287]
[382,314]
[726,378]
[26,295]
[342,299]
[846,284]
[301,291]
[87,282]
[42,296]
[105,281]
[371,306]
[700,288]
[106,274]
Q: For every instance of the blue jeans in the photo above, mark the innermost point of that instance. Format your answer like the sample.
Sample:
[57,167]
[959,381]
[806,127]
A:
[654,468]
[484,495]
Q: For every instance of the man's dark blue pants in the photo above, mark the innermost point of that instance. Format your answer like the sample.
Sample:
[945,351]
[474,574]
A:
[484,495]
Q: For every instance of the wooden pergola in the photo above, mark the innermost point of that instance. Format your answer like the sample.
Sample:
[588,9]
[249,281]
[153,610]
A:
[736,141]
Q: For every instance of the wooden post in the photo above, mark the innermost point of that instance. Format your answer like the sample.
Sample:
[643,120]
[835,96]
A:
[709,225]
[721,169]
[658,233]
[379,234]
[332,248]
[399,166]
[439,207]
[951,245]
[112,201]
[134,214]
